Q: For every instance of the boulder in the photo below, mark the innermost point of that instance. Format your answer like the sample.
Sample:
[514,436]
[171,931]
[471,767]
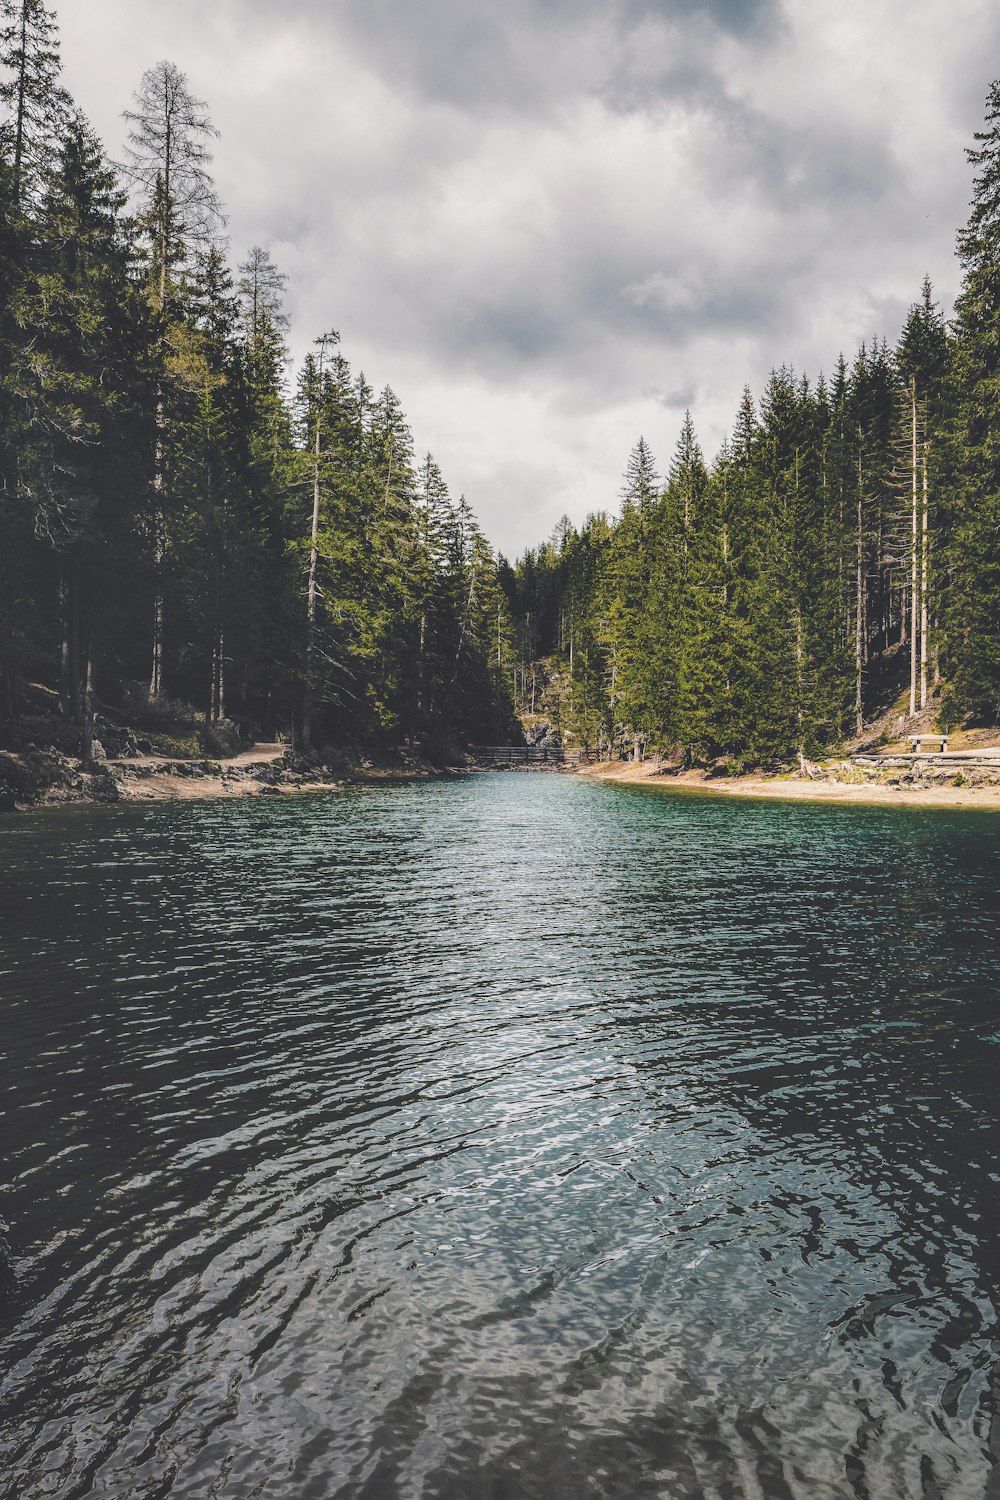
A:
[104,787]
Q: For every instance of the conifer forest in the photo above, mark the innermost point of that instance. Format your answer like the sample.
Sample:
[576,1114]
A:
[186,520]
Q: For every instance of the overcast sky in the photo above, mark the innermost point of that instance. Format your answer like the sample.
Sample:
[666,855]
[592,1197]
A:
[551,225]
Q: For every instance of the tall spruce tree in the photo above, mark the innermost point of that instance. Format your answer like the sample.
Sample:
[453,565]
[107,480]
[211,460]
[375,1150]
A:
[168,159]
[38,104]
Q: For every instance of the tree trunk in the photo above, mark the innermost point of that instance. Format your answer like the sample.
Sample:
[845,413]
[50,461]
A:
[311,593]
[87,703]
[924,560]
[20,109]
[799,710]
[914,551]
[64,648]
[859,615]
[156,667]
[156,670]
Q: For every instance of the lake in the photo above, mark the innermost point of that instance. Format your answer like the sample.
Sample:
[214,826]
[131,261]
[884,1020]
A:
[504,1136]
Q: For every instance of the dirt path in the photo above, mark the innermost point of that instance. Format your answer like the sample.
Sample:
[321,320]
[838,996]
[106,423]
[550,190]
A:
[257,755]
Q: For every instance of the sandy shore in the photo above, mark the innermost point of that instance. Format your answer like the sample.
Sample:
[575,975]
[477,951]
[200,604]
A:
[799,789]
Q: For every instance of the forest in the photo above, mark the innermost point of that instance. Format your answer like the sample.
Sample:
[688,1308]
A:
[840,555]
[187,527]
[180,530]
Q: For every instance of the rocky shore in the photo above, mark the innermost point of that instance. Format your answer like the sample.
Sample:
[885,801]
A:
[47,778]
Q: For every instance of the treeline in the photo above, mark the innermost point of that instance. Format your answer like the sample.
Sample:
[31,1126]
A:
[843,549]
[174,525]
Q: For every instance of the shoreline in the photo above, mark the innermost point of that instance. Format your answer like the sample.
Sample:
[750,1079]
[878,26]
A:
[258,772]
[799,789]
[261,772]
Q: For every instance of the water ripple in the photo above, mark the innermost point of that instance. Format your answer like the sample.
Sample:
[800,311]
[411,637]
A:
[511,1136]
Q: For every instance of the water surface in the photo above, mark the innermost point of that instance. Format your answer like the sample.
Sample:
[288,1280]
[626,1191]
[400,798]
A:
[511,1136]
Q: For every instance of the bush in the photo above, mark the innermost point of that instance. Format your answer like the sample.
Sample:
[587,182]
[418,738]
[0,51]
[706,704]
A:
[220,740]
[158,713]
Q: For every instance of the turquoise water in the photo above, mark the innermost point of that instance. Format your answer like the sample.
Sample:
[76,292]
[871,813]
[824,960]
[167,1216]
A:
[505,1136]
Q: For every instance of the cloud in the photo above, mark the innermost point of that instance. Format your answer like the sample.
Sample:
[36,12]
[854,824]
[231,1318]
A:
[554,224]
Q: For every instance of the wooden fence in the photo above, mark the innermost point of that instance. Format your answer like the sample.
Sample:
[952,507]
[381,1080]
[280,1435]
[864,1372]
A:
[512,756]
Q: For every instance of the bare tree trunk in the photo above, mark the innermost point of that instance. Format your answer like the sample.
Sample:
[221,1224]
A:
[914,551]
[20,109]
[924,560]
[859,634]
[217,690]
[799,711]
[156,669]
[311,592]
[79,659]
[64,649]
[87,706]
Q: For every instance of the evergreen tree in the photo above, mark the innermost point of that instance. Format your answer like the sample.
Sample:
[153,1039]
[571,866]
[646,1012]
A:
[79,379]
[37,105]
[31,90]
[168,159]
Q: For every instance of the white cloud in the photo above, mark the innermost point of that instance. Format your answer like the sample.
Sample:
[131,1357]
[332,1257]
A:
[551,224]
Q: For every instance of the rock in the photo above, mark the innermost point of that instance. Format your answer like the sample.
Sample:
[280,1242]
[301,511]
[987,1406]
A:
[104,787]
[97,750]
[7,800]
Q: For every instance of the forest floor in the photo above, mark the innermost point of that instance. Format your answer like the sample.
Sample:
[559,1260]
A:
[943,783]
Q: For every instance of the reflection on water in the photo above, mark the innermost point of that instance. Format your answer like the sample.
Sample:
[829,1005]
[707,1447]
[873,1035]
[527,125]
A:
[504,1137]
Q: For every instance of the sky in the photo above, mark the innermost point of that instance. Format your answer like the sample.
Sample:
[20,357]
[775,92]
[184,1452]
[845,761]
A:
[553,225]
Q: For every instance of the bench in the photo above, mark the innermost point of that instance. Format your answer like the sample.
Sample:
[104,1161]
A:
[917,740]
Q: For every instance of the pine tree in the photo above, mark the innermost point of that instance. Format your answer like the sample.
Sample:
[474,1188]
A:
[921,357]
[78,379]
[623,602]
[168,159]
[39,105]
[271,625]
[641,486]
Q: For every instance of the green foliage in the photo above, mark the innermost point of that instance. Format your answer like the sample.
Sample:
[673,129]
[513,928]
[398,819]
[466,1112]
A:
[168,515]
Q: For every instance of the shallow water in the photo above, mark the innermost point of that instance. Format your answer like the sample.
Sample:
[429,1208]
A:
[500,1137]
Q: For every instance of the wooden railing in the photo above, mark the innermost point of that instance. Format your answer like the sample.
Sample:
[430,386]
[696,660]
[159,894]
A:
[517,755]
[535,755]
